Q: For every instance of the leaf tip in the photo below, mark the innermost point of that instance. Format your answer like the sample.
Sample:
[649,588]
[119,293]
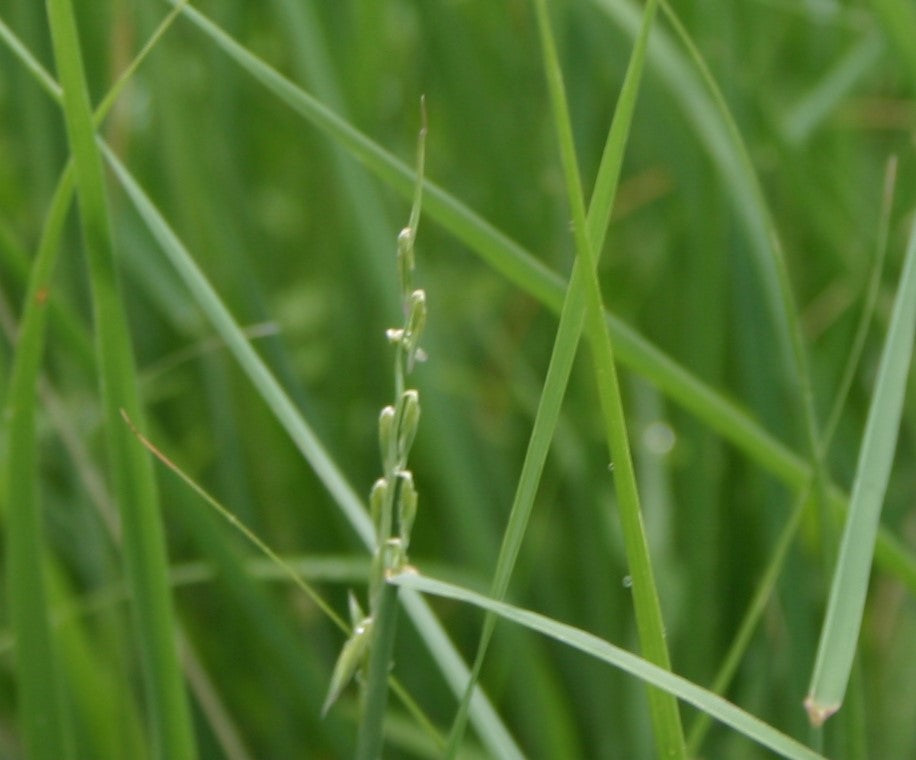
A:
[817,712]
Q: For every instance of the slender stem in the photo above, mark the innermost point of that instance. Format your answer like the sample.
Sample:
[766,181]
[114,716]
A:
[397,426]
[375,695]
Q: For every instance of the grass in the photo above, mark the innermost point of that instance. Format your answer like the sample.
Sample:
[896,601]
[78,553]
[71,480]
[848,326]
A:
[259,166]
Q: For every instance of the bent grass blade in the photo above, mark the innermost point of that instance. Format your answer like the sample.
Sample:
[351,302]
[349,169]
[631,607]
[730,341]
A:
[721,709]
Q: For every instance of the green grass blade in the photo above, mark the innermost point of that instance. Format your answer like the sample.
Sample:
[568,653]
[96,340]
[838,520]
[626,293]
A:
[490,726]
[144,543]
[38,72]
[566,343]
[545,421]
[840,633]
[47,738]
[240,347]
[705,106]
[43,712]
[777,285]
[719,708]
[767,584]
[803,118]
[666,720]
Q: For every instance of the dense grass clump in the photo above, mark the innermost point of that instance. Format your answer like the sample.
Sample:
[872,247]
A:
[665,461]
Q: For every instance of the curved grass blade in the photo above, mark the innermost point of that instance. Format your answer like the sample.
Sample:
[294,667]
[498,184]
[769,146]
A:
[144,543]
[719,708]
[840,633]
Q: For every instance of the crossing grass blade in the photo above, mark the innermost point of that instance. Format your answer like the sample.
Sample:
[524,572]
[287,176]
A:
[843,620]
[144,542]
[572,316]
[673,684]
[666,722]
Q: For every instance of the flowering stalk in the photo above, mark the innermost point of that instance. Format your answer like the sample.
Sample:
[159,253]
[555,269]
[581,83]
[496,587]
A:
[392,503]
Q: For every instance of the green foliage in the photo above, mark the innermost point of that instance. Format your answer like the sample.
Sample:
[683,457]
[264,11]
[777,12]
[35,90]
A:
[241,275]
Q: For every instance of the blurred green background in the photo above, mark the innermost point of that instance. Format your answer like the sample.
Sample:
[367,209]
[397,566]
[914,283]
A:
[299,240]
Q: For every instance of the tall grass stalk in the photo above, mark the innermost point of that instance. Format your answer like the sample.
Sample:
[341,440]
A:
[144,543]
[572,316]
[663,708]
[393,502]
[43,709]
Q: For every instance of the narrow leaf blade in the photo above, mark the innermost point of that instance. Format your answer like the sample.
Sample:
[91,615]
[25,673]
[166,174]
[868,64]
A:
[846,605]
[721,709]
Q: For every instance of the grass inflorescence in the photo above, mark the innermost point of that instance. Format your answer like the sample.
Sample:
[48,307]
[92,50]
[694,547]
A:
[691,194]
